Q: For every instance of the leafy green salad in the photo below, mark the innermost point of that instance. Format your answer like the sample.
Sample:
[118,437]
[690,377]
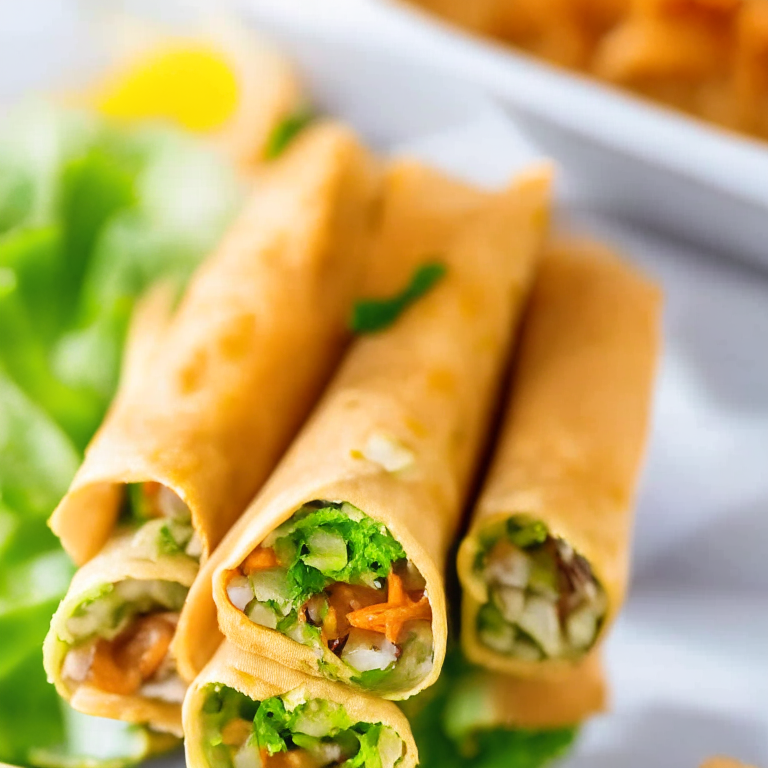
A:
[90,216]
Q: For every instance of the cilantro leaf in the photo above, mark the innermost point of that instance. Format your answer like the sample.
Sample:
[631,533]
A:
[286,131]
[372,315]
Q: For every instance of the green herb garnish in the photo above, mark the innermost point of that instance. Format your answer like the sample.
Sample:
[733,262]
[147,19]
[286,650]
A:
[370,551]
[286,131]
[372,315]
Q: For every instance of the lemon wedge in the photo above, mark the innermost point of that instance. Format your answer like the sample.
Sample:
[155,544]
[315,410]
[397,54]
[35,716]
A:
[227,84]
[192,86]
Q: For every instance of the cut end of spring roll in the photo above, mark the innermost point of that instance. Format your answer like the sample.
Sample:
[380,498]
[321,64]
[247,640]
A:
[249,712]
[539,599]
[237,368]
[338,582]
[545,564]
[108,651]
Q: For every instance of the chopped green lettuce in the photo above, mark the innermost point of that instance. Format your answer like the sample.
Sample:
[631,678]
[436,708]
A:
[373,315]
[278,727]
[91,215]
[370,550]
[524,532]
[282,723]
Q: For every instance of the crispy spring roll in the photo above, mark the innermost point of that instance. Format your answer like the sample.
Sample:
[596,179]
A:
[483,700]
[336,569]
[245,711]
[544,566]
[191,439]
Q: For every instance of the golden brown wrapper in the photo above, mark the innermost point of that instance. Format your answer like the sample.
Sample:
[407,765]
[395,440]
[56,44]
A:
[723,762]
[426,383]
[236,370]
[118,561]
[532,704]
[572,441]
[260,678]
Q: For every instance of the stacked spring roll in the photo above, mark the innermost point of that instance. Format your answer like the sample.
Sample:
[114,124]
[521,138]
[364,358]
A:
[336,569]
[544,566]
[481,700]
[204,415]
[245,711]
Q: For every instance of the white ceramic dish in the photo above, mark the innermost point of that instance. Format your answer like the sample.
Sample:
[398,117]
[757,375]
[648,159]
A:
[625,155]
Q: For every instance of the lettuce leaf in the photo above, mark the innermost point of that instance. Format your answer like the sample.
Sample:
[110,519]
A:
[91,215]
[271,725]
[37,460]
[371,550]
[368,754]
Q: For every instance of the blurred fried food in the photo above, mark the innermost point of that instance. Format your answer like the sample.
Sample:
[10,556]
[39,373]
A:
[708,58]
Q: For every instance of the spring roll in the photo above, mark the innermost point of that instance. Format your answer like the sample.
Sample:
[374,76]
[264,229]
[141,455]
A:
[190,441]
[245,711]
[336,569]
[482,700]
[544,566]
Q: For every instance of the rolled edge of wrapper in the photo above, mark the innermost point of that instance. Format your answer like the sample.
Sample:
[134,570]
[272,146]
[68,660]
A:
[115,563]
[260,678]
[612,276]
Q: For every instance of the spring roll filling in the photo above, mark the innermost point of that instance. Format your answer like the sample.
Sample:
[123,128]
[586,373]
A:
[291,731]
[118,640]
[336,580]
[543,601]
[162,522]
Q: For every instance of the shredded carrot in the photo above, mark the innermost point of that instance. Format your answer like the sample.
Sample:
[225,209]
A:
[144,644]
[151,490]
[260,559]
[123,664]
[388,618]
[107,675]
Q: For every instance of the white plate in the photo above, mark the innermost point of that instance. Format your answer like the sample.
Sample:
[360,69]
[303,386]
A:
[626,155]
